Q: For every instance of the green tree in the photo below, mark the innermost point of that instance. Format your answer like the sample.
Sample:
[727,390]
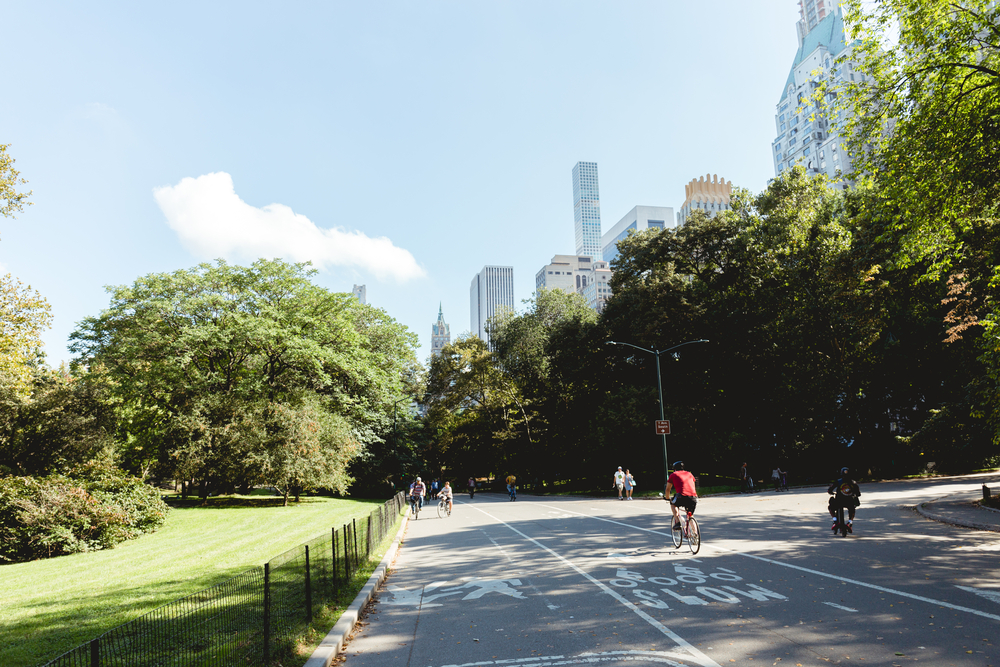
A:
[11,201]
[24,314]
[246,375]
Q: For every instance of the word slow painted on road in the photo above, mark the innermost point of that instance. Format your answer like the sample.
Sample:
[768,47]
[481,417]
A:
[474,588]
[709,586]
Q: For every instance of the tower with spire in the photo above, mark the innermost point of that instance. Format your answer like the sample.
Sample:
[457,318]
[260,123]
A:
[440,333]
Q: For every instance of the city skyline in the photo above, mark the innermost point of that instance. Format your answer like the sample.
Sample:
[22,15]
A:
[154,142]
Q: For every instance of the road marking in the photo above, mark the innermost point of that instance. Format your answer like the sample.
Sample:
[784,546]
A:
[993,596]
[700,657]
[865,584]
[834,604]
[584,659]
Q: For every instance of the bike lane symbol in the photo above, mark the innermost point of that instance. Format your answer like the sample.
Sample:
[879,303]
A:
[424,597]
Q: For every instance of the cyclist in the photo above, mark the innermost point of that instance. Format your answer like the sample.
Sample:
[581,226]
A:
[417,491]
[445,494]
[512,487]
[845,493]
[682,483]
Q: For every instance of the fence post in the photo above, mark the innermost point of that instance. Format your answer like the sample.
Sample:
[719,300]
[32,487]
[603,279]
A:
[309,594]
[334,547]
[267,612]
[354,522]
[369,540]
[347,561]
[95,652]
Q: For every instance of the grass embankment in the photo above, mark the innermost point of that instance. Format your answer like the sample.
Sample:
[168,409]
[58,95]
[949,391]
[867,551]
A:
[50,606]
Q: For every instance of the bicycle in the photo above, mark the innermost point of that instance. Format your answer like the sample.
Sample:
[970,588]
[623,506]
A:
[842,526]
[414,508]
[689,529]
[443,509]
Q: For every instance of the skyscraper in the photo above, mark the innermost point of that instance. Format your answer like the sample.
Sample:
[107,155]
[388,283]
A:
[804,132]
[360,293]
[709,193]
[440,333]
[638,219]
[491,292]
[586,210]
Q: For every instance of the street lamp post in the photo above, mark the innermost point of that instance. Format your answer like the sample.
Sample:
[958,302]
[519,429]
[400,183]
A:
[659,388]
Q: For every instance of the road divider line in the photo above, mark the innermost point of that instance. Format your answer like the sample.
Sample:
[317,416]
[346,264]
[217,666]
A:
[693,653]
[818,573]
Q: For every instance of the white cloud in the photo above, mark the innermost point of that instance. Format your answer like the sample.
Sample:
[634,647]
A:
[212,221]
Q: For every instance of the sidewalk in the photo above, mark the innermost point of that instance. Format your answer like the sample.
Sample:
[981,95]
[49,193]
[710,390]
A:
[961,509]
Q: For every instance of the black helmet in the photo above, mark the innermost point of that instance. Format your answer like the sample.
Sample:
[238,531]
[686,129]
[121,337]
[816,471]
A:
[845,471]
[678,465]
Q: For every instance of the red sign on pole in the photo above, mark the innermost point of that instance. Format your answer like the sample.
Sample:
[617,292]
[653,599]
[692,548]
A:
[662,427]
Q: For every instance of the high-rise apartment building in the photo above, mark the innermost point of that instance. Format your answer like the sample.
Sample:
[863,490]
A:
[709,193]
[586,210]
[804,133]
[638,219]
[811,13]
[491,292]
[360,293]
[440,333]
[598,289]
[570,273]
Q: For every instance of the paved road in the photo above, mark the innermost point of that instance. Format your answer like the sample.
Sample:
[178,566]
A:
[563,581]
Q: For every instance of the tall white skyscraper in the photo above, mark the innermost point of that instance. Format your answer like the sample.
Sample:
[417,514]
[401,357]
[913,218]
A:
[491,292]
[586,210]
[804,133]
[440,333]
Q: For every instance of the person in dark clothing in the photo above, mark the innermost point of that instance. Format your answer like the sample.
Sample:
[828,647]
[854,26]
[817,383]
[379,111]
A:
[846,493]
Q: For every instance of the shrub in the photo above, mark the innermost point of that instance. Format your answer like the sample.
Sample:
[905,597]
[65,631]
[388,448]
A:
[52,516]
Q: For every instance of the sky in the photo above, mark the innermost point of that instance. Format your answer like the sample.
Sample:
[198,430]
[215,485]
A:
[399,145]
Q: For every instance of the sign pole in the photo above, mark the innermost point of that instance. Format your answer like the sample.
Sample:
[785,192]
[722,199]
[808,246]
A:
[659,388]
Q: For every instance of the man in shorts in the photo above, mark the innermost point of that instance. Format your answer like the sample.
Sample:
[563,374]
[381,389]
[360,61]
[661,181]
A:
[681,483]
[619,481]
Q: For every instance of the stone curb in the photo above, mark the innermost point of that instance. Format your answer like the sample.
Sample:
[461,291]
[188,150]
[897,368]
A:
[334,640]
[927,514]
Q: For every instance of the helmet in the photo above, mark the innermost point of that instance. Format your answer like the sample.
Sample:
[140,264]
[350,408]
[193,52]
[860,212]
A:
[844,471]
[418,479]
[678,465]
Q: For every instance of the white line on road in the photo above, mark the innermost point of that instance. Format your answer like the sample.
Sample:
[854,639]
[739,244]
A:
[876,587]
[680,641]
[583,659]
[839,606]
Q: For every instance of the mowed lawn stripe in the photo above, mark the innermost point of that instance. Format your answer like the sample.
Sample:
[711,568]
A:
[52,605]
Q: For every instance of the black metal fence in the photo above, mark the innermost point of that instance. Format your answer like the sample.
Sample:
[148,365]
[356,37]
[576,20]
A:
[250,618]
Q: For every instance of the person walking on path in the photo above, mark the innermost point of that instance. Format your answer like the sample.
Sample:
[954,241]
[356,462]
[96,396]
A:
[629,485]
[619,482]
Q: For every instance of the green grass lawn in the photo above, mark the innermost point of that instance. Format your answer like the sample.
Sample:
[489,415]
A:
[50,606]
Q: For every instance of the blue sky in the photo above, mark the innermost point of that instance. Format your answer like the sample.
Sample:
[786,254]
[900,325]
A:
[439,135]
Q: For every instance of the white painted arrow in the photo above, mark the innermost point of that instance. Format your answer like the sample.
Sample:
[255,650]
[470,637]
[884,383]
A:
[992,596]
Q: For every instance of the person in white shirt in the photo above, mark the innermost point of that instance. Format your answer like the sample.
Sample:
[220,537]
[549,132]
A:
[619,481]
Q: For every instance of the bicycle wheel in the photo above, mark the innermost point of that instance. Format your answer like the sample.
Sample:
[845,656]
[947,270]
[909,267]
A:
[694,535]
[842,523]
[442,509]
[676,535]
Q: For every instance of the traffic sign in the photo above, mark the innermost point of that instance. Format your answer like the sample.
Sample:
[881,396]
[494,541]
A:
[662,427]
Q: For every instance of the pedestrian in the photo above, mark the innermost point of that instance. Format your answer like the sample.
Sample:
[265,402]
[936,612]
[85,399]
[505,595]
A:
[629,484]
[745,482]
[776,478]
[619,482]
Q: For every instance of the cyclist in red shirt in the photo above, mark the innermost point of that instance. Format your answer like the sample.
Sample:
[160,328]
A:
[682,483]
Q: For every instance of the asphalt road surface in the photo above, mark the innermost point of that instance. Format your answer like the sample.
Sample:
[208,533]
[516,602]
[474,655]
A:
[566,581]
